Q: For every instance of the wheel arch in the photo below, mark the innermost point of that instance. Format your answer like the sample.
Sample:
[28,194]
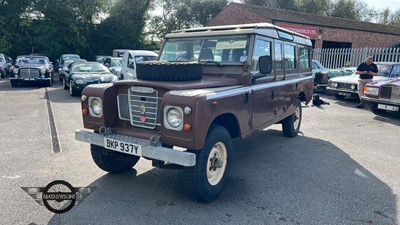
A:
[230,122]
[302,97]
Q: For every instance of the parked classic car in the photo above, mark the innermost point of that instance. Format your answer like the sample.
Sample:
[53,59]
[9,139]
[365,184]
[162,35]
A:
[81,74]
[322,77]
[66,57]
[5,65]
[62,71]
[347,86]
[384,96]
[317,67]
[234,88]
[29,69]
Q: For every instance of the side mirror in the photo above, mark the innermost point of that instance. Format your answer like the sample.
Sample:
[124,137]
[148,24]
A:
[107,64]
[265,64]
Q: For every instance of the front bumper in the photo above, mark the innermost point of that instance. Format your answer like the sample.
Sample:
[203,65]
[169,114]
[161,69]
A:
[45,79]
[372,101]
[342,91]
[148,150]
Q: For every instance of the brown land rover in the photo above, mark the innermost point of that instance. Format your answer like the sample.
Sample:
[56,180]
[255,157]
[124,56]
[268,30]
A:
[208,86]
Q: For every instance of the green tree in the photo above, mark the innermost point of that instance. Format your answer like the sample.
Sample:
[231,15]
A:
[181,14]
[123,28]
[319,7]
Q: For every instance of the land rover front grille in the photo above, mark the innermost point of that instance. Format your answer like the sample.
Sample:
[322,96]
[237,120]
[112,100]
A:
[390,92]
[142,107]
[29,73]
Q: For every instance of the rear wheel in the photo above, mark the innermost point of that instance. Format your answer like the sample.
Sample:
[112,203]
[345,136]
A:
[208,177]
[291,124]
[111,161]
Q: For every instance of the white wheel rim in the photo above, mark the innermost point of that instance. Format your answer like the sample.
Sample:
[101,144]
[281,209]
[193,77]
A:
[217,154]
[296,117]
[70,88]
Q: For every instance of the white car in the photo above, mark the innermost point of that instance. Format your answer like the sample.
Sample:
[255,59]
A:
[129,60]
[347,86]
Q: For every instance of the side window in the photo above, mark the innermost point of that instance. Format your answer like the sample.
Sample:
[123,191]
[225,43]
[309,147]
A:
[131,62]
[396,71]
[278,56]
[261,48]
[304,58]
[289,59]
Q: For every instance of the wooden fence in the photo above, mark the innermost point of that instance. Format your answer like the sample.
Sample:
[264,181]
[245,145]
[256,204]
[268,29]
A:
[341,57]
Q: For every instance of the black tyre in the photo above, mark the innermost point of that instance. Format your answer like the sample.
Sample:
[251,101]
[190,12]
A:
[64,84]
[340,97]
[291,124]
[3,74]
[169,71]
[72,90]
[111,161]
[13,83]
[208,177]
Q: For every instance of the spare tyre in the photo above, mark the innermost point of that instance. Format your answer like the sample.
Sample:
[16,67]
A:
[169,71]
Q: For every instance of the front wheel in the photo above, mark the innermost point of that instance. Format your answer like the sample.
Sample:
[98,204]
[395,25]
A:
[111,161]
[72,90]
[291,124]
[208,177]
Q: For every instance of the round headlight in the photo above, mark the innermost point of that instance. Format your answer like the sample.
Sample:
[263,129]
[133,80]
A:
[174,118]
[96,107]
[353,87]
[79,81]
[335,85]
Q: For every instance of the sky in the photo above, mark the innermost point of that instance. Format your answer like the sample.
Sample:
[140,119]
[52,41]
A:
[393,5]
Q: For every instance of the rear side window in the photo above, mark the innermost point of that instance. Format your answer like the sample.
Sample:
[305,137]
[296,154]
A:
[304,59]
[290,60]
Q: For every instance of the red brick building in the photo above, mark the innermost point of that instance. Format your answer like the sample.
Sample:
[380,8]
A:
[325,32]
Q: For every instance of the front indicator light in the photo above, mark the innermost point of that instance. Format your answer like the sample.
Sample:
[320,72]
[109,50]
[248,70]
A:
[187,127]
[85,112]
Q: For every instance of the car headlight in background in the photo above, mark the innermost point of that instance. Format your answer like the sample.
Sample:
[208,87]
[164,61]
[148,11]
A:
[173,118]
[80,81]
[95,107]
[371,91]
[333,84]
[353,87]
